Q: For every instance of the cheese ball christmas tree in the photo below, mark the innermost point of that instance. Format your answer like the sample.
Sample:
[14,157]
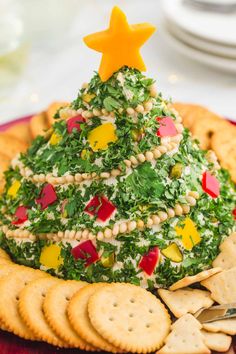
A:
[117,190]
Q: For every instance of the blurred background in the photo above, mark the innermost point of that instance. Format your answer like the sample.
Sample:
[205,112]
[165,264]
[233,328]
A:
[192,56]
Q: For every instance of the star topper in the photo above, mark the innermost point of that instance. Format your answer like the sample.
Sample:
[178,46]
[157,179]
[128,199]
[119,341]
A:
[119,44]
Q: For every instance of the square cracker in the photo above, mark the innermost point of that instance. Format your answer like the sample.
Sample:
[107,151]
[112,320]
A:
[222,286]
[217,341]
[227,257]
[227,326]
[185,300]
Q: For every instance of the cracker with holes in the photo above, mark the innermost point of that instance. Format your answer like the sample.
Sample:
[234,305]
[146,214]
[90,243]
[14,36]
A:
[78,317]
[227,257]
[129,317]
[186,281]
[222,286]
[10,287]
[31,300]
[227,326]
[217,341]
[185,300]
[185,337]
[55,310]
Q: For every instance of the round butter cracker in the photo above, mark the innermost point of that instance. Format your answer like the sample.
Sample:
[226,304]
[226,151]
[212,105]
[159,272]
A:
[55,310]
[79,319]
[31,300]
[10,287]
[129,317]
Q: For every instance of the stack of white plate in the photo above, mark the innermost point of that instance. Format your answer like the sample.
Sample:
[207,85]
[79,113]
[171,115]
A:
[202,34]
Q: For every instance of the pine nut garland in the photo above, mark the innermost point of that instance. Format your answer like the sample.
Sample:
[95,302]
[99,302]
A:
[134,161]
[118,228]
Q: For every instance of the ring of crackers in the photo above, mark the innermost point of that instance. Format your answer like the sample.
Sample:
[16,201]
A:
[129,317]
[31,310]
[55,311]
[10,287]
[79,319]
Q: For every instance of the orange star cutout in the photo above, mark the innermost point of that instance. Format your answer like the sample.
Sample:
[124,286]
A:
[119,44]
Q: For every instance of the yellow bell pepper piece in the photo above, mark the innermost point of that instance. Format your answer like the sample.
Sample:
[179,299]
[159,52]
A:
[50,256]
[190,235]
[119,44]
[13,190]
[55,138]
[100,137]
[87,97]
[173,253]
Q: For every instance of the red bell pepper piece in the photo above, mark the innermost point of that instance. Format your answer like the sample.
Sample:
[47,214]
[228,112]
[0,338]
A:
[47,196]
[234,213]
[210,185]
[74,123]
[87,251]
[101,207]
[167,127]
[21,215]
[149,260]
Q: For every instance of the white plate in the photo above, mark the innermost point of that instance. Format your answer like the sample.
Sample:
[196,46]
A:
[219,28]
[227,65]
[198,43]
